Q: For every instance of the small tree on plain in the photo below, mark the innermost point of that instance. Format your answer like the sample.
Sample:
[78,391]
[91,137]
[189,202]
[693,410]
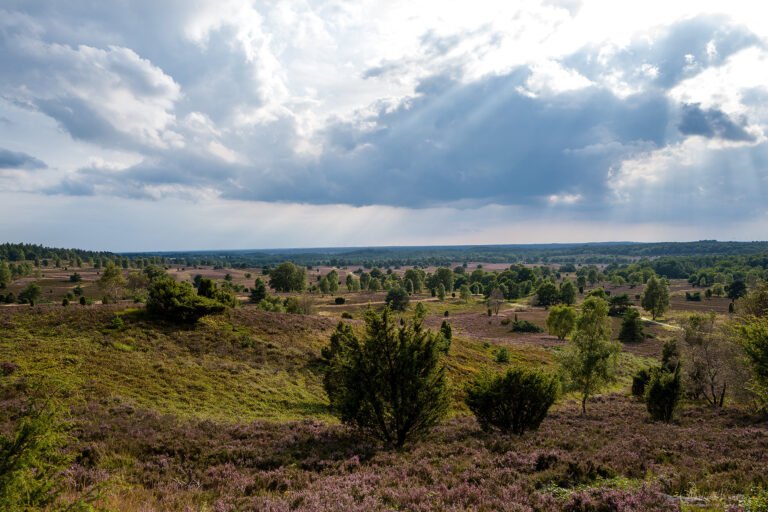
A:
[561,321]
[397,299]
[391,382]
[590,358]
[655,298]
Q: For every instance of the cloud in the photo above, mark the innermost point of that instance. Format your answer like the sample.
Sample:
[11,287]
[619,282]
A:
[18,160]
[711,123]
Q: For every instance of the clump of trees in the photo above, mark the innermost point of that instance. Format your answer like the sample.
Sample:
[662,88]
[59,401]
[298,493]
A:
[288,277]
[514,401]
[179,302]
[389,382]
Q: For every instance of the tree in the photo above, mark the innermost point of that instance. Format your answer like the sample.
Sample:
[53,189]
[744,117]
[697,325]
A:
[561,321]
[618,305]
[590,358]
[495,300]
[32,460]
[136,281]
[755,303]
[655,298]
[111,282]
[5,274]
[397,299]
[753,336]
[737,290]
[288,277]
[416,276]
[353,284]
[324,285]
[441,291]
[447,332]
[444,276]
[568,292]
[258,291]
[547,294]
[391,383]
[179,302]
[515,401]
[465,294]
[710,359]
[31,294]
[333,281]
[631,327]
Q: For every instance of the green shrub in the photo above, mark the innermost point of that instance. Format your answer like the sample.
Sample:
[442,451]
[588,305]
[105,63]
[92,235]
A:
[347,315]
[179,302]
[391,383]
[525,326]
[640,382]
[631,327]
[515,401]
[397,299]
[662,395]
[339,300]
[502,356]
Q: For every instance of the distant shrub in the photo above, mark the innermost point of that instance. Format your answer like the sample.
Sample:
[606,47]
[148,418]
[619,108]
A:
[631,327]
[339,300]
[117,322]
[502,356]
[83,300]
[525,326]
[662,395]
[506,321]
[347,315]
[447,332]
[272,303]
[640,381]
[446,313]
[65,301]
[513,402]
[695,296]
[397,299]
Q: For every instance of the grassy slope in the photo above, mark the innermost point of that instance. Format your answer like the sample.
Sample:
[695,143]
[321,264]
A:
[240,366]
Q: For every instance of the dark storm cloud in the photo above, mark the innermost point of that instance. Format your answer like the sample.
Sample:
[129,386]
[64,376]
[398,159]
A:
[18,160]
[711,123]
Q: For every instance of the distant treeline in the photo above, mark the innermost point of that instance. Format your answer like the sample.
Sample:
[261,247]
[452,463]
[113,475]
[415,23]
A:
[702,253]
[701,262]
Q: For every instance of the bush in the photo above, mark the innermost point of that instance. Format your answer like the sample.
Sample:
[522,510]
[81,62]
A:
[663,392]
[65,301]
[178,301]
[397,299]
[640,382]
[561,321]
[525,326]
[502,356]
[515,401]
[391,383]
[347,315]
[339,301]
[695,296]
[631,327]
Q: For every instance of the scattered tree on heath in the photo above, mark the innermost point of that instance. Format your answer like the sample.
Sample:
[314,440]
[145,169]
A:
[655,298]
[590,358]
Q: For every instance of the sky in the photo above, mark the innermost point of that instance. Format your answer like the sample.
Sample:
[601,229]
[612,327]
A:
[135,125]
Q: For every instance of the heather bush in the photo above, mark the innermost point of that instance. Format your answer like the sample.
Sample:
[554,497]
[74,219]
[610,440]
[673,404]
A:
[391,383]
[515,401]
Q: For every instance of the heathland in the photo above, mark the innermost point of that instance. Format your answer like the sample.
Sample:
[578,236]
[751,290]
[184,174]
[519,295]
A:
[123,388]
